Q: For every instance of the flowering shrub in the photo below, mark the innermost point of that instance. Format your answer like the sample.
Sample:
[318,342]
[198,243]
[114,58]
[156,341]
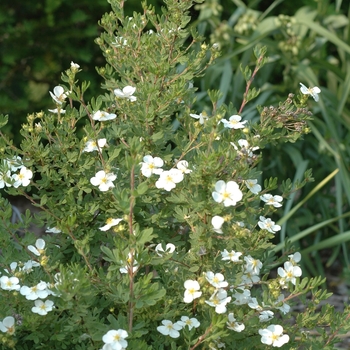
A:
[159,232]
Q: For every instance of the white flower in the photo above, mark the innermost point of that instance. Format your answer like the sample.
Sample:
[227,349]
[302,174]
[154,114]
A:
[126,93]
[233,324]
[273,335]
[35,292]
[217,222]
[4,177]
[151,166]
[92,145]
[253,304]
[265,316]
[252,265]
[126,268]
[169,248]
[253,186]
[103,180]
[234,122]
[15,163]
[120,41]
[285,308]
[53,230]
[55,111]
[190,322]
[289,273]
[58,94]
[192,291]
[268,224]
[28,266]
[74,65]
[219,300]
[116,339]
[242,296]
[232,256]
[202,117]
[217,280]
[229,193]
[269,199]
[183,166]
[217,344]
[23,178]
[13,267]
[295,258]
[169,328]
[169,178]
[8,325]
[102,116]
[39,247]
[9,283]
[310,91]
[110,223]
[248,278]
[42,308]
[246,150]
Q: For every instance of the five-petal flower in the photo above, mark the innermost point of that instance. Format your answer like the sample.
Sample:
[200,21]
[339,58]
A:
[192,291]
[42,308]
[268,224]
[102,116]
[229,193]
[151,165]
[93,145]
[103,180]
[110,222]
[58,94]
[116,339]
[310,91]
[169,178]
[127,93]
[8,325]
[169,328]
[273,335]
[22,178]
[234,122]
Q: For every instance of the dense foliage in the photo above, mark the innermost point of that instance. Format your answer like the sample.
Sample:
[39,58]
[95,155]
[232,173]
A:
[159,232]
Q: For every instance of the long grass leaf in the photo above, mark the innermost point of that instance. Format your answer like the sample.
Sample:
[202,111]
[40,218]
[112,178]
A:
[329,242]
[304,200]
[309,230]
[325,33]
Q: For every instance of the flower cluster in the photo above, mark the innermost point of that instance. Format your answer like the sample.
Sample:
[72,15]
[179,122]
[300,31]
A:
[172,329]
[167,178]
[14,173]
[241,295]
[36,292]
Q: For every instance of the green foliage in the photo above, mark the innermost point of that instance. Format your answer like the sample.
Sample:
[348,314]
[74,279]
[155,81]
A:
[308,44]
[128,243]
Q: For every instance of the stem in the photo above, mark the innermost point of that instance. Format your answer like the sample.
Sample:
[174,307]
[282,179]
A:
[249,82]
[132,251]
[332,336]
[202,337]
